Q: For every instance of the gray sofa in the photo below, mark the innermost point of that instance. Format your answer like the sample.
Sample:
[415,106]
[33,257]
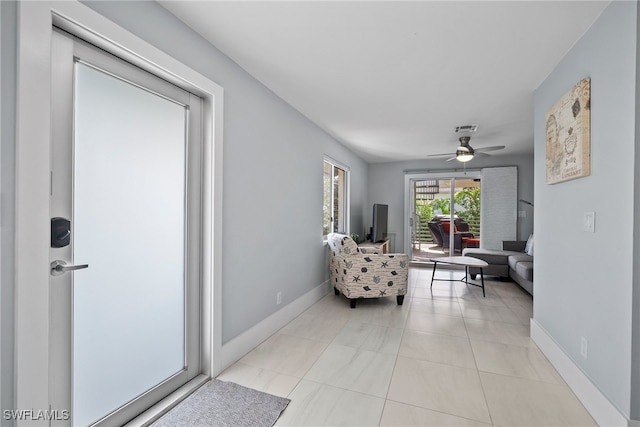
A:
[511,262]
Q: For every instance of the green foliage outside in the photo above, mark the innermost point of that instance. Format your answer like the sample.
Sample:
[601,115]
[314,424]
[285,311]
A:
[442,205]
[467,203]
[326,205]
[424,209]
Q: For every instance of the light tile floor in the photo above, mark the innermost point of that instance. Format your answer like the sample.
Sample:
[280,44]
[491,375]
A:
[447,357]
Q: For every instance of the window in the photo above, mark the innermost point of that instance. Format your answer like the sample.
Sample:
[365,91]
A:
[335,200]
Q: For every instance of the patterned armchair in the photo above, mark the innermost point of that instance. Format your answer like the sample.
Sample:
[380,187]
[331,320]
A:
[357,273]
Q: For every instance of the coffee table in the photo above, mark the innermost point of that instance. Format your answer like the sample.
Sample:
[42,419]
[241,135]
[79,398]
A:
[467,262]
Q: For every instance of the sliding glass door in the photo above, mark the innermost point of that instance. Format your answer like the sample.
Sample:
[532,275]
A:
[444,214]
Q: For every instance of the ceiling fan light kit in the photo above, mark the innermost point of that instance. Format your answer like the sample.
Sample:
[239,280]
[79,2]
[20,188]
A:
[463,154]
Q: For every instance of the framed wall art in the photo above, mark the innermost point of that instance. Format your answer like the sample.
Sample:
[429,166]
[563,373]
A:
[568,135]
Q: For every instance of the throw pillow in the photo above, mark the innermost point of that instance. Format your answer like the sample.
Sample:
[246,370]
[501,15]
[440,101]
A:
[529,246]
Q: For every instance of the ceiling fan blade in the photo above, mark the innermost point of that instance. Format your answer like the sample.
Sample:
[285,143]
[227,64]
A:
[441,154]
[492,148]
[452,158]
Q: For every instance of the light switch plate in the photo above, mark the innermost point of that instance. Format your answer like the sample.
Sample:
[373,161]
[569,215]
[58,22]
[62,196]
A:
[589,222]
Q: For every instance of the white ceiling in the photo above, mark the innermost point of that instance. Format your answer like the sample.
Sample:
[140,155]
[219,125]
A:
[392,79]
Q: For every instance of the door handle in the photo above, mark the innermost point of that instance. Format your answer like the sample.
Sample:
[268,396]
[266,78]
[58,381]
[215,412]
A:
[59,267]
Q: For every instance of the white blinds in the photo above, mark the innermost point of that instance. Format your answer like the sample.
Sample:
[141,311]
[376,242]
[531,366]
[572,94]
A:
[498,206]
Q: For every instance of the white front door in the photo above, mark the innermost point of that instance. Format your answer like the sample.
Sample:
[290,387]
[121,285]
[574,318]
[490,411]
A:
[125,209]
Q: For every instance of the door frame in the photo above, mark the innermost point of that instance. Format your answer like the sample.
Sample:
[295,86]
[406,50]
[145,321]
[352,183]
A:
[412,176]
[33,139]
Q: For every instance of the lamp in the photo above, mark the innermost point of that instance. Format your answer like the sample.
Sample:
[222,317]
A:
[464,154]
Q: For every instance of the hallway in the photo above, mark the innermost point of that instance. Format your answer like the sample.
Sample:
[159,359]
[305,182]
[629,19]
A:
[447,357]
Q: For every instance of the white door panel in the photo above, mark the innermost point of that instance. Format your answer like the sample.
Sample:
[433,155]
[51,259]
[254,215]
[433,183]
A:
[126,173]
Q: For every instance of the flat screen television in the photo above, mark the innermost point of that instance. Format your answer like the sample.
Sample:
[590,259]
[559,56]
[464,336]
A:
[379,229]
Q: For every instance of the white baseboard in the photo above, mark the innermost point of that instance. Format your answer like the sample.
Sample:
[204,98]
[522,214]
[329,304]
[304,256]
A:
[600,408]
[236,348]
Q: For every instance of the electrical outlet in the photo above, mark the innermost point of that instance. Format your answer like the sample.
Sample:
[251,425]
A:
[584,347]
[279,298]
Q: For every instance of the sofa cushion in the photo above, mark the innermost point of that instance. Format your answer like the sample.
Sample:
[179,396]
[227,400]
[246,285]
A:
[514,245]
[515,259]
[491,256]
[524,269]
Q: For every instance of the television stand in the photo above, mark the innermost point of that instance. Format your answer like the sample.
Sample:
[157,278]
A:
[382,247]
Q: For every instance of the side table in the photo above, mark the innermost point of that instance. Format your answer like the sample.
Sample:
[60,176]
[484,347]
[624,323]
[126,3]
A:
[381,247]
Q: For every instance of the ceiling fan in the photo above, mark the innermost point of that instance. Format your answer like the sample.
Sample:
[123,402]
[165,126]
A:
[466,152]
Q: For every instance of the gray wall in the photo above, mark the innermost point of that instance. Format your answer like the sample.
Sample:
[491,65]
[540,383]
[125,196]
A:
[584,282]
[273,157]
[7,154]
[386,185]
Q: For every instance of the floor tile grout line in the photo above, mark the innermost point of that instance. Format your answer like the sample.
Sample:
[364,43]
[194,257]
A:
[440,412]
[395,365]
[444,364]
[563,385]
[313,364]
[342,388]
[477,369]
[352,347]
[475,361]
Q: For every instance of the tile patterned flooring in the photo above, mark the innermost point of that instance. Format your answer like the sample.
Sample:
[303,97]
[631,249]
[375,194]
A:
[447,357]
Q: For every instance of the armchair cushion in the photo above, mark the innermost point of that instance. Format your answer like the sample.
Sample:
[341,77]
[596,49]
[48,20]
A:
[446,225]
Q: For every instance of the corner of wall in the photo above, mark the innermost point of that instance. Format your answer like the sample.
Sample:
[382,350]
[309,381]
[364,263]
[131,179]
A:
[635,338]
[600,408]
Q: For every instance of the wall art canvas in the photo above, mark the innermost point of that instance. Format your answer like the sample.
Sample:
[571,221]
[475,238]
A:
[568,135]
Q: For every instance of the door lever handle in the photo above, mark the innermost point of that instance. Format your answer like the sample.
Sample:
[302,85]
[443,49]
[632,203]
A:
[59,267]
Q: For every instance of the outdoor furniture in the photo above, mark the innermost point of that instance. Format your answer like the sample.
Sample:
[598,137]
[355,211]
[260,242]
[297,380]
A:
[436,233]
[440,228]
[470,242]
